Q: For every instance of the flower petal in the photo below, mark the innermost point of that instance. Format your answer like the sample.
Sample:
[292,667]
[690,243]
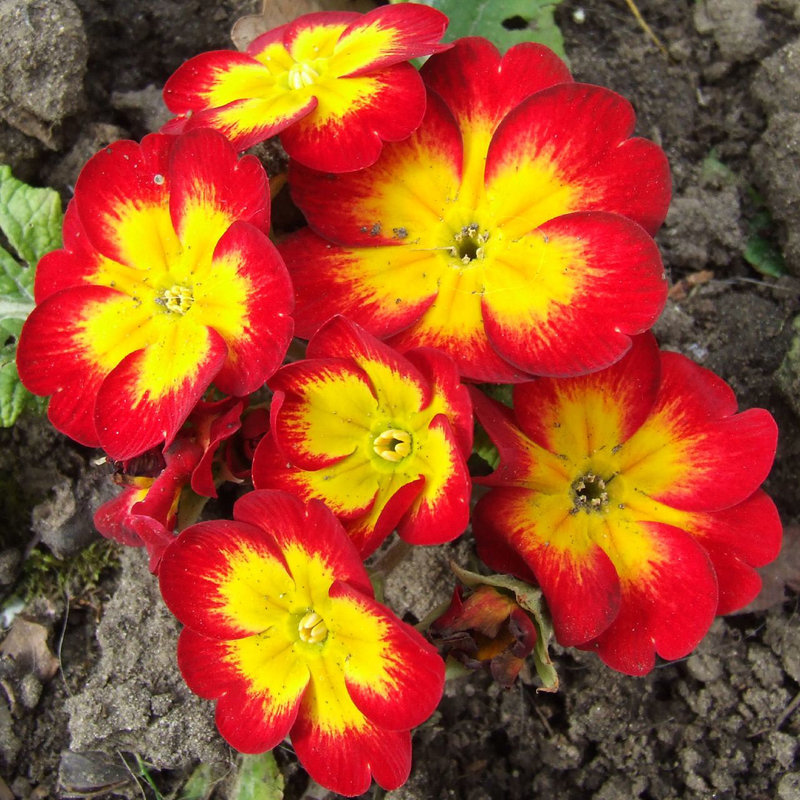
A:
[161,502]
[523,463]
[578,579]
[112,519]
[394,380]
[397,200]
[450,396]
[246,297]
[121,197]
[340,748]
[370,504]
[393,675]
[305,532]
[737,539]
[454,323]
[669,598]
[148,396]
[226,580]
[589,413]
[76,264]
[258,682]
[55,358]
[211,424]
[356,284]
[215,79]
[354,116]
[155,537]
[308,36]
[388,35]
[565,299]
[396,494]
[478,84]
[594,167]
[348,486]
[480,87]
[212,188]
[441,511]
[237,94]
[320,411]
[251,120]
[694,452]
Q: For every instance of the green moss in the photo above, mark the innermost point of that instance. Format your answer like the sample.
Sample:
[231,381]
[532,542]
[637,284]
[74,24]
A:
[44,575]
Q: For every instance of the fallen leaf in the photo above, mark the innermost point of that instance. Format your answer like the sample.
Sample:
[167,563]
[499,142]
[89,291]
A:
[26,645]
[681,289]
[700,277]
[91,772]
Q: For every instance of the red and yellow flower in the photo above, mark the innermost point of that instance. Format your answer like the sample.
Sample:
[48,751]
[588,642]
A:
[632,497]
[381,438]
[335,85]
[512,230]
[167,282]
[283,632]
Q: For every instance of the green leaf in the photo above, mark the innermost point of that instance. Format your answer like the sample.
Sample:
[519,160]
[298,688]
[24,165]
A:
[259,779]
[503,22]
[765,256]
[531,599]
[200,785]
[484,447]
[713,171]
[30,218]
[16,281]
[502,392]
[14,397]
[761,252]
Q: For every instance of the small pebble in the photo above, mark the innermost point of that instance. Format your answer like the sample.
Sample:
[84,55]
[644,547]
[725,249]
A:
[30,690]
[789,786]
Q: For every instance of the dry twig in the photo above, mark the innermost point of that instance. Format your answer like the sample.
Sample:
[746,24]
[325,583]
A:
[646,28]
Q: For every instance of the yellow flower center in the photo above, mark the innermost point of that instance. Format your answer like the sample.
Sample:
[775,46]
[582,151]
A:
[590,493]
[177,299]
[312,628]
[302,74]
[392,445]
[469,244]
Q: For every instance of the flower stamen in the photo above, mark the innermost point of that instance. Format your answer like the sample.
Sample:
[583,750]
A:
[589,493]
[470,241]
[312,628]
[392,445]
[177,299]
[302,74]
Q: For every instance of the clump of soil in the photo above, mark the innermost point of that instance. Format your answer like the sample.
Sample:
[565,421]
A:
[723,102]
